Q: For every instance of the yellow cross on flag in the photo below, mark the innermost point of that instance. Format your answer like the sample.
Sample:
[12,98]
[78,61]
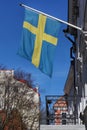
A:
[39,39]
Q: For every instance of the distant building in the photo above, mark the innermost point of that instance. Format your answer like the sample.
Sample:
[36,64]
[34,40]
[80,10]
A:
[60,108]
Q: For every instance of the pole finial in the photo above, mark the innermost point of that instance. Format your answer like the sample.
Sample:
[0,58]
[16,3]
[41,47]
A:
[20,4]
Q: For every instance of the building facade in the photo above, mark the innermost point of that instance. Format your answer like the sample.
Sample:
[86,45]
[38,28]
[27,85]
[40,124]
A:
[60,108]
[76,83]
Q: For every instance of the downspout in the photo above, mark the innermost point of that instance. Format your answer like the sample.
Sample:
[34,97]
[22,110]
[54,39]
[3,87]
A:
[72,50]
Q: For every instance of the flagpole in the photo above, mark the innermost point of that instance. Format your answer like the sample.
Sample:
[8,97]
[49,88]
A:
[76,27]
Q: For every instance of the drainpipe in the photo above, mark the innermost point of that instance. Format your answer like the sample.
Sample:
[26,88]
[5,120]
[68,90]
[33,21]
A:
[72,56]
[75,93]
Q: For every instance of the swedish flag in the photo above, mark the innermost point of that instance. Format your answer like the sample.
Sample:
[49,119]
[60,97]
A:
[39,40]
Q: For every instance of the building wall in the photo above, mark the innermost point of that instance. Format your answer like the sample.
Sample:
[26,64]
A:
[80,55]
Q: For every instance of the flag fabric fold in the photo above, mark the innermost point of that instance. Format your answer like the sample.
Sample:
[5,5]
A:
[39,40]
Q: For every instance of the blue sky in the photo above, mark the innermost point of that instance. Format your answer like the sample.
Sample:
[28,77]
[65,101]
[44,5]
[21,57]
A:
[11,20]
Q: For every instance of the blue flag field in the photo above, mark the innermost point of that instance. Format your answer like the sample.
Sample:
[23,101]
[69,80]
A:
[39,40]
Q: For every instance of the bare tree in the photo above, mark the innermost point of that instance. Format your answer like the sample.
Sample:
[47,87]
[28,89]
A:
[2,67]
[22,97]
[22,75]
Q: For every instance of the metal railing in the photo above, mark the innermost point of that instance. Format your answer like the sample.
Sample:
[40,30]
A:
[60,110]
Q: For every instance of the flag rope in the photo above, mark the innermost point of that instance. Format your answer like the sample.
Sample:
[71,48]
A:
[76,27]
